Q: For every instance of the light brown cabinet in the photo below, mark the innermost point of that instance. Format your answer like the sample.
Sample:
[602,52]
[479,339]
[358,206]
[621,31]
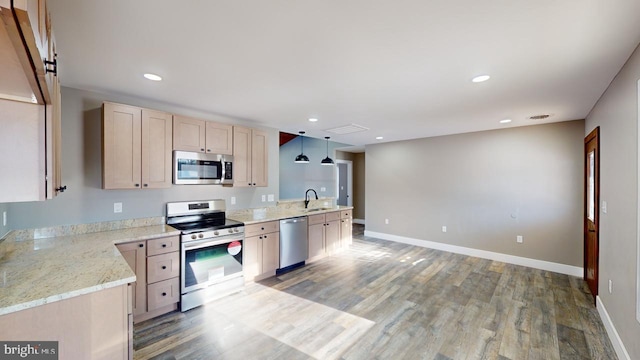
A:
[261,255]
[136,147]
[202,136]
[29,103]
[250,157]
[156,263]
[323,234]
[346,228]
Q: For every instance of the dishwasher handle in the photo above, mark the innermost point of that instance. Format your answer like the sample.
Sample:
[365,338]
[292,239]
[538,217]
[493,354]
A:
[294,220]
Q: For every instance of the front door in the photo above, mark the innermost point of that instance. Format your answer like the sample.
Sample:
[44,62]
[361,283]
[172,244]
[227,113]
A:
[591,209]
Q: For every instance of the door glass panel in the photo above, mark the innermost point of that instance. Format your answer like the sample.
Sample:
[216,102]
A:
[591,186]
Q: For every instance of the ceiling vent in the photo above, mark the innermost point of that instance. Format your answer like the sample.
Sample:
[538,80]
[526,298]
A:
[539,117]
[347,129]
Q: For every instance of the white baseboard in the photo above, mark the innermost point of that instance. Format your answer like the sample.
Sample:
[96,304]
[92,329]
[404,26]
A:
[511,259]
[358,221]
[621,351]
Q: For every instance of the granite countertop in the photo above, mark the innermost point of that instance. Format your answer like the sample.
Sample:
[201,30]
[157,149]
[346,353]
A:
[252,216]
[34,272]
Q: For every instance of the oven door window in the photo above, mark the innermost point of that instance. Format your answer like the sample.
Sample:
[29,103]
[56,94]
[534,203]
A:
[212,264]
[189,169]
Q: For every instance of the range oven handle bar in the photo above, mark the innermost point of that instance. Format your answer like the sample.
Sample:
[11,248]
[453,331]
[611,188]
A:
[188,245]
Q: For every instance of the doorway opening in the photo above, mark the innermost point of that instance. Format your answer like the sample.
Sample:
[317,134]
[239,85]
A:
[591,209]
[344,182]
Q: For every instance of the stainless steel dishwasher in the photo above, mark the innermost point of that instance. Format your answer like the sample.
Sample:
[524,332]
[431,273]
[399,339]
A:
[294,243]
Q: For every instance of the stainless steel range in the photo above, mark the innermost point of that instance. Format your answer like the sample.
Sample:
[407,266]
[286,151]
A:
[211,251]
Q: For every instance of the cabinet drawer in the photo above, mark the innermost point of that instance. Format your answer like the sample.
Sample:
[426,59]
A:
[163,245]
[163,293]
[332,216]
[262,228]
[163,267]
[316,219]
[346,214]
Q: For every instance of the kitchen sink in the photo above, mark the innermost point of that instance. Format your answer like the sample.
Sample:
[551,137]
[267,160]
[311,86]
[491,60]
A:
[318,209]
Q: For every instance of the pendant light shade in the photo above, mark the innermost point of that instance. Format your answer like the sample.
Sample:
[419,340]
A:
[302,158]
[327,160]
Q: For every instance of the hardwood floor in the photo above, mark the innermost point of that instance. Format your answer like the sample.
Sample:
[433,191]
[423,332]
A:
[385,300]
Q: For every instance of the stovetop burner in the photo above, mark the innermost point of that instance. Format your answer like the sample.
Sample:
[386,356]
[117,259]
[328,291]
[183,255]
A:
[201,216]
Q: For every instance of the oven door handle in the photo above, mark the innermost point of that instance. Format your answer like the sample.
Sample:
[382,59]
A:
[207,242]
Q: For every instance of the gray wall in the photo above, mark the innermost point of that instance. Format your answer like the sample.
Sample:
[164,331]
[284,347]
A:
[617,115]
[85,201]
[486,187]
[295,179]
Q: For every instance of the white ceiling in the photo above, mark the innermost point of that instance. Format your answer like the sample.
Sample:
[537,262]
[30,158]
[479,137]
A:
[400,68]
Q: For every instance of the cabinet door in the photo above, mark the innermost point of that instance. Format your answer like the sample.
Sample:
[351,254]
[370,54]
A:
[252,257]
[259,158]
[241,157]
[122,128]
[157,130]
[219,138]
[163,293]
[270,252]
[188,134]
[54,142]
[316,240]
[135,255]
[332,236]
[22,151]
[345,232]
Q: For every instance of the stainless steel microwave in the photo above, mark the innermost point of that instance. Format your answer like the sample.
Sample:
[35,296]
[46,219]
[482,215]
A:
[195,168]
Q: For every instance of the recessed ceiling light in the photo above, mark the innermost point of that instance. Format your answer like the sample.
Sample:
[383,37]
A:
[313,119]
[379,138]
[152,77]
[505,121]
[480,78]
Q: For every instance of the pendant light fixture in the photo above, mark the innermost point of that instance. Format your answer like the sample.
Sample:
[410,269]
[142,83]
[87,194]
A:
[302,158]
[327,160]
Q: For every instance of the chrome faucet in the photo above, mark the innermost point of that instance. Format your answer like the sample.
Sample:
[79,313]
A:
[306,197]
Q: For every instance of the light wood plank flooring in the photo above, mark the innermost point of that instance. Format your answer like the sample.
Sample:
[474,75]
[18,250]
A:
[385,300]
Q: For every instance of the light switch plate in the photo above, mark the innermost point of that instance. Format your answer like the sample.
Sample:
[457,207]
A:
[117,207]
[233,200]
[264,198]
[270,197]
[323,189]
[604,206]
[4,218]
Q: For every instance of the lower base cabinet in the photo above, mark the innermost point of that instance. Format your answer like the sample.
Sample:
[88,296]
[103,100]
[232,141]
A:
[329,233]
[91,326]
[261,254]
[156,263]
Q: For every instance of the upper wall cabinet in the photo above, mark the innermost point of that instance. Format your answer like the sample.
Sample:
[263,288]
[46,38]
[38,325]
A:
[136,147]
[30,114]
[250,157]
[28,61]
[202,136]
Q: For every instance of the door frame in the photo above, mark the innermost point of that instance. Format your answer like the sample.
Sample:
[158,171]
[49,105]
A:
[349,180]
[595,133]
[638,214]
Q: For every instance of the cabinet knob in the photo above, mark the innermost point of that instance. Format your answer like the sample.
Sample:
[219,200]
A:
[265,236]
[164,267]
[208,150]
[145,185]
[260,238]
[202,149]
[254,184]
[261,228]
[137,185]
[140,245]
[164,245]
[164,294]
[249,184]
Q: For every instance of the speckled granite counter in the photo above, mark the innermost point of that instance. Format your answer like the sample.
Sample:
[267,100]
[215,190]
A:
[251,216]
[34,272]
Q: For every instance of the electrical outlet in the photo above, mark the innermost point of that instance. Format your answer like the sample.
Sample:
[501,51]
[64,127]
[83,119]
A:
[233,200]
[444,229]
[117,207]
[270,197]
[4,218]
[610,286]
[264,198]
[386,221]
[323,189]
[519,239]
